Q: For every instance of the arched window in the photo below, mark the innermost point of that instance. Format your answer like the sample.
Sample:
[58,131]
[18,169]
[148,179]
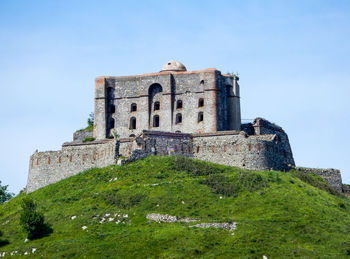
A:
[200,102]
[132,136]
[111,125]
[133,107]
[202,82]
[178,118]
[156,106]
[132,123]
[112,108]
[178,131]
[200,116]
[155,121]
[179,104]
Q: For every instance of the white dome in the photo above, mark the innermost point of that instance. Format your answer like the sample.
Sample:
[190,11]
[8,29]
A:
[173,65]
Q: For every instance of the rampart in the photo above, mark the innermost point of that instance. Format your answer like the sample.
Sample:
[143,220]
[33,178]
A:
[52,166]
[330,175]
[259,146]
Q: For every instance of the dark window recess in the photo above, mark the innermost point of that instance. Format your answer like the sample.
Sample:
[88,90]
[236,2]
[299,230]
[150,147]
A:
[178,131]
[110,92]
[202,82]
[178,118]
[156,106]
[132,123]
[111,123]
[200,102]
[200,116]
[179,104]
[131,135]
[229,91]
[133,107]
[155,121]
[112,108]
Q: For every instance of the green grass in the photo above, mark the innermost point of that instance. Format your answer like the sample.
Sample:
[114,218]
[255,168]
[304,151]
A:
[280,215]
[89,139]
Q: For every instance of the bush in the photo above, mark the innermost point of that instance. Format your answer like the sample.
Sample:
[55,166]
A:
[33,221]
[2,242]
[222,185]
[88,139]
[243,181]
[123,201]
[195,167]
[4,194]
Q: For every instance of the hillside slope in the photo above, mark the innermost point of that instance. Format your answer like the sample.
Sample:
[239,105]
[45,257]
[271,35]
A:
[102,213]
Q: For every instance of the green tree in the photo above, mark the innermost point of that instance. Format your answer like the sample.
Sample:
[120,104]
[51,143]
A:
[2,242]
[32,221]
[4,194]
[90,120]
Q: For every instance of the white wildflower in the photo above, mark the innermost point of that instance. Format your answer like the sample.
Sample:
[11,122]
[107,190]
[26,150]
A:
[73,217]
[110,219]
[84,227]
[33,250]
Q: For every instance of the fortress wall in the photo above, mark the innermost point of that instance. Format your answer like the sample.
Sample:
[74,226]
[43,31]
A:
[52,166]
[330,175]
[80,135]
[163,144]
[249,152]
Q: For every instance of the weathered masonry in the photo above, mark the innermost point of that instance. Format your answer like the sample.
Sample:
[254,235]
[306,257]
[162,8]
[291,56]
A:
[173,100]
[173,112]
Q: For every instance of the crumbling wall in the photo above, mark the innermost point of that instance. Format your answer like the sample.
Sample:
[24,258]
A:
[330,175]
[52,166]
[80,135]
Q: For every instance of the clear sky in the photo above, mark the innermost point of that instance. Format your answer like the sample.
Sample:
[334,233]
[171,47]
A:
[293,58]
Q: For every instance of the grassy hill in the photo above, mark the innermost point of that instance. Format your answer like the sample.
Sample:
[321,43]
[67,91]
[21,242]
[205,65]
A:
[279,215]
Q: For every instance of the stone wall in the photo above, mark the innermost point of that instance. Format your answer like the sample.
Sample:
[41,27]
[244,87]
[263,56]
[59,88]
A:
[257,152]
[80,135]
[52,166]
[156,143]
[330,175]
[238,149]
[114,97]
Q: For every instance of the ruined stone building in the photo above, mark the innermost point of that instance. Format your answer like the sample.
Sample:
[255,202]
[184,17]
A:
[172,112]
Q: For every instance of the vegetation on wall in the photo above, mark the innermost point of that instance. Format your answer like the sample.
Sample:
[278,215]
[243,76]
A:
[88,139]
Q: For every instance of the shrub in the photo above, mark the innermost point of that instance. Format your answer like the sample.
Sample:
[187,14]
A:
[88,139]
[32,221]
[2,242]
[243,181]
[123,201]
[195,167]
[222,185]
[4,194]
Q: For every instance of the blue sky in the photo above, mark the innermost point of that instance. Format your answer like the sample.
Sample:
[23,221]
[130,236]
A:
[293,58]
